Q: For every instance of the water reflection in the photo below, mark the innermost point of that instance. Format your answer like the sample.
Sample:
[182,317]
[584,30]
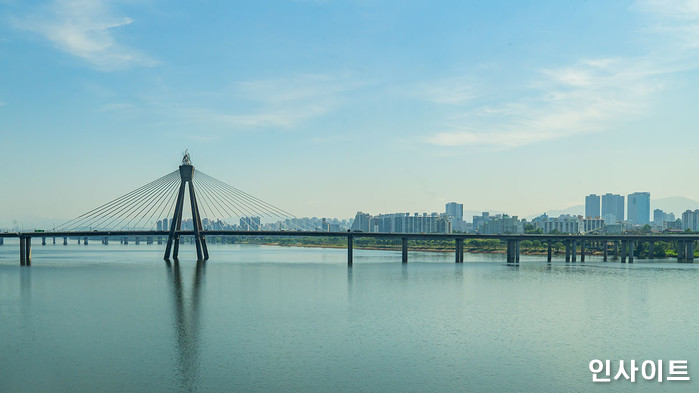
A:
[186,323]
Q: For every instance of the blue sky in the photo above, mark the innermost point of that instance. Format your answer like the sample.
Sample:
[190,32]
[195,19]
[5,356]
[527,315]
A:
[328,107]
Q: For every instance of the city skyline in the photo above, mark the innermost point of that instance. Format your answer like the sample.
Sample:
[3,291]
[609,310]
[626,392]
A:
[379,106]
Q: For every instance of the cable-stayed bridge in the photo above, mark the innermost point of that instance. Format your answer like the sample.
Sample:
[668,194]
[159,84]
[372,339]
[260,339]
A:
[159,207]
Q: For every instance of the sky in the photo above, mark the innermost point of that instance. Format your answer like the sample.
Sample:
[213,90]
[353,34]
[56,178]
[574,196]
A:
[326,108]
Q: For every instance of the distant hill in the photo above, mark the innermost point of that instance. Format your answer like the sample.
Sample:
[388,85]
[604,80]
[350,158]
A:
[675,205]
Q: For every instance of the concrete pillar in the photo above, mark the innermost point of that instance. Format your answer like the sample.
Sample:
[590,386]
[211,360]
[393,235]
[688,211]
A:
[651,250]
[459,258]
[512,251]
[85,240]
[632,250]
[574,250]
[624,247]
[78,240]
[126,240]
[582,251]
[567,250]
[2,241]
[404,250]
[149,240]
[22,251]
[548,250]
[616,249]
[138,240]
[28,253]
[43,240]
[160,240]
[604,250]
[65,240]
[349,250]
[690,251]
[54,240]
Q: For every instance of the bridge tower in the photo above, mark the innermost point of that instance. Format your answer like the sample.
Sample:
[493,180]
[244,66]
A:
[186,175]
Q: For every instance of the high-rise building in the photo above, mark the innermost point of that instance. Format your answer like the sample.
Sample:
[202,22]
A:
[659,217]
[612,208]
[592,203]
[455,211]
[638,205]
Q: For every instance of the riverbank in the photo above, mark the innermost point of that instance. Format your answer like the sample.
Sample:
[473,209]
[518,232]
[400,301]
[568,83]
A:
[445,246]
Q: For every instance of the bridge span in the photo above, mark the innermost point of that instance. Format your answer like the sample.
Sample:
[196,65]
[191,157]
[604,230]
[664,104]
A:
[620,246]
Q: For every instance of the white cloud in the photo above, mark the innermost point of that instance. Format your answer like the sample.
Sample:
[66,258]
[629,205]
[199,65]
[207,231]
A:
[277,103]
[590,95]
[452,91]
[86,29]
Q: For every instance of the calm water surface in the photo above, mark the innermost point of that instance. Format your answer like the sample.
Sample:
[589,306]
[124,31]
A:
[260,318]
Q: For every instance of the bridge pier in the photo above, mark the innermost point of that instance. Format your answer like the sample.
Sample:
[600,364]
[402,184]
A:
[349,250]
[43,240]
[512,251]
[685,251]
[582,251]
[632,249]
[574,251]
[567,250]
[25,251]
[160,240]
[690,251]
[78,240]
[138,240]
[85,240]
[616,250]
[65,240]
[624,247]
[404,250]
[604,251]
[54,240]
[548,250]
[459,258]
[651,250]
[126,240]
[149,240]
[2,241]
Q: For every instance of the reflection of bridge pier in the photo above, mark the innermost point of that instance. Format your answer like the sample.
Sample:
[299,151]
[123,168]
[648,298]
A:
[186,323]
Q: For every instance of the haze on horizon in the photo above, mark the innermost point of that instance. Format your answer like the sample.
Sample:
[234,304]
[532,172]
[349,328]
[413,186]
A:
[325,108]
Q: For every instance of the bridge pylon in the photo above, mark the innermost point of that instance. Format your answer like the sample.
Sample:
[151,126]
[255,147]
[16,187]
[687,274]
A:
[173,240]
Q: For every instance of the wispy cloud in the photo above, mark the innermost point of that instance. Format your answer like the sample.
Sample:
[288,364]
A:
[590,95]
[277,103]
[678,19]
[86,29]
[453,91]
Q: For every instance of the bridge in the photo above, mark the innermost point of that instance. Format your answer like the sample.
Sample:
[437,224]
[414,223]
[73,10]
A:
[130,214]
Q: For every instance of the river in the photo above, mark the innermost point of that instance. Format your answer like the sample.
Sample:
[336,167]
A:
[117,318]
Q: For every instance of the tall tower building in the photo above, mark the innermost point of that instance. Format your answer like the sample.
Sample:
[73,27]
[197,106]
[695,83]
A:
[592,204]
[638,208]
[612,208]
[456,212]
